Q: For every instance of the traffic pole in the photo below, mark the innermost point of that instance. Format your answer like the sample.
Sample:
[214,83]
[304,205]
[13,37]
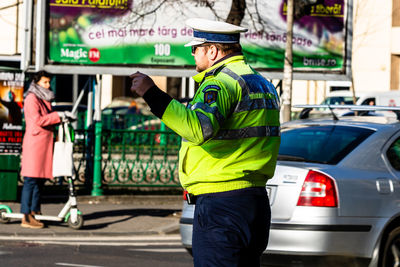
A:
[97,190]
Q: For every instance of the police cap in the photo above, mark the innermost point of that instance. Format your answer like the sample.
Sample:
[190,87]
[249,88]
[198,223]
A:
[211,31]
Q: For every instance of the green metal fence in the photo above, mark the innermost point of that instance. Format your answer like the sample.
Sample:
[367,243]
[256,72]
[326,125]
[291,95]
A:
[144,155]
[140,158]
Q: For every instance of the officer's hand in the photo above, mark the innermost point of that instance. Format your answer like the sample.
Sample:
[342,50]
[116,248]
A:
[141,83]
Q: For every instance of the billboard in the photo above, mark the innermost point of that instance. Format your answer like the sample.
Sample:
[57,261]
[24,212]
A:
[152,34]
[11,104]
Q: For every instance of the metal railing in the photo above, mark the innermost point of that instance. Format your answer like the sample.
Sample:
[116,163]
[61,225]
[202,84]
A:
[140,158]
[144,155]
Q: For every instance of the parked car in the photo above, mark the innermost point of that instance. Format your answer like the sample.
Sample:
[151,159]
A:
[388,98]
[124,112]
[335,194]
[120,117]
[343,97]
[67,106]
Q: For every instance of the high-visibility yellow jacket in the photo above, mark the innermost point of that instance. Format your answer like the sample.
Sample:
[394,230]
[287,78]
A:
[230,131]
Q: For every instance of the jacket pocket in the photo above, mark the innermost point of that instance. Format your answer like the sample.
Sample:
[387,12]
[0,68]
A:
[35,132]
[183,158]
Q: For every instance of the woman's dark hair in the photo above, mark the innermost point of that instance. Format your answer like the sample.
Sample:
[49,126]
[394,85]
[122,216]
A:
[41,74]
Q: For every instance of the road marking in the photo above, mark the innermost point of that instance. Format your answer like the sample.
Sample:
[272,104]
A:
[155,238]
[160,250]
[97,243]
[5,253]
[76,265]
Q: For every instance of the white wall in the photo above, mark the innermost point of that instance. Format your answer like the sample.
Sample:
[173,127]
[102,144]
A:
[8,26]
[395,46]
[372,45]
[106,90]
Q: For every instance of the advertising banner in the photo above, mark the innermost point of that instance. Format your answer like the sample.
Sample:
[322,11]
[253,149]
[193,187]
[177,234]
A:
[153,33]
[11,101]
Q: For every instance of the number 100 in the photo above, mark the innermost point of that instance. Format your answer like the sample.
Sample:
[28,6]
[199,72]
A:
[162,49]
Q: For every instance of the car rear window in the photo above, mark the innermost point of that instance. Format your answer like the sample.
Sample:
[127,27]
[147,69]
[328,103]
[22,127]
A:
[393,154]
[320,144]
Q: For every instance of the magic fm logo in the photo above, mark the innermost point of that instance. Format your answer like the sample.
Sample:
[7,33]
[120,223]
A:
[116,4]
[80,53]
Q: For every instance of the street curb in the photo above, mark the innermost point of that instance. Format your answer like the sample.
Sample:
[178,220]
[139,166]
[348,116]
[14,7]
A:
[128,199]
[172,228]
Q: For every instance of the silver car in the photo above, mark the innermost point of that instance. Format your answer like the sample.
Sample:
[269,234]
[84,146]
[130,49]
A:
[335,195]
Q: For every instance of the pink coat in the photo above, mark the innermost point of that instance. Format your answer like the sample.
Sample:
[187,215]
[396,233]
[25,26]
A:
[37,145]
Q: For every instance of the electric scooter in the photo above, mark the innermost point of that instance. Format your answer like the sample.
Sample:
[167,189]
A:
[69,213]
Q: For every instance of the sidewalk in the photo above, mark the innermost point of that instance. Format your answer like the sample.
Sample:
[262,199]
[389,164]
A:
[108,216]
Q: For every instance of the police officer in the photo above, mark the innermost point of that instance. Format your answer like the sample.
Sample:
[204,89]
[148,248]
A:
[230,139]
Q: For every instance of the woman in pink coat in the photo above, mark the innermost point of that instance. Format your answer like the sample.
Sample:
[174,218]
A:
[37,146]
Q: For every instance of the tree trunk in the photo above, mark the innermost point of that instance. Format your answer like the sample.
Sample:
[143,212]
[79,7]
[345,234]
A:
[236,14]
[288,67]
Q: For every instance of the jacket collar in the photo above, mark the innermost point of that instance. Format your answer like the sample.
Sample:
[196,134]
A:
[228,59]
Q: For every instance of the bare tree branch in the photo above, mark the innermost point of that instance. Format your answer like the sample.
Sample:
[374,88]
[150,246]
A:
[209,4]
[259,19]
[256,18]
[10,6]
[154,10]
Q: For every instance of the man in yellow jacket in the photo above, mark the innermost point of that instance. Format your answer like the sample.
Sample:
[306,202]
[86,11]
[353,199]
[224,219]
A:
[230,140]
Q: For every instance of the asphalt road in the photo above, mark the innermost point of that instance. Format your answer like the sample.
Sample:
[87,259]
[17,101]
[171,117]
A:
[142,251]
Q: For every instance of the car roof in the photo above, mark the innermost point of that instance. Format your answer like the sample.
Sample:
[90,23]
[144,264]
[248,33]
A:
[375,123]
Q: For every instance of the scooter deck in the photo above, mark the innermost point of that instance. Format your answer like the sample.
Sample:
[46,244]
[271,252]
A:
[37,217]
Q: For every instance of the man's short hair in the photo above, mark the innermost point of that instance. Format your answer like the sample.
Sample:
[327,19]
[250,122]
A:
[41,74]
[228,48]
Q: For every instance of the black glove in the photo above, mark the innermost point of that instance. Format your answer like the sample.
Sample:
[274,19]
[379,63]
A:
[69,117]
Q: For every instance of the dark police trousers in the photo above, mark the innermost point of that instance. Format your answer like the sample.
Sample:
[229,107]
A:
[231,228]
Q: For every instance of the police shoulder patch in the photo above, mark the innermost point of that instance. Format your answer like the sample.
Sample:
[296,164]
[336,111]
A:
[211,86]
[210,97]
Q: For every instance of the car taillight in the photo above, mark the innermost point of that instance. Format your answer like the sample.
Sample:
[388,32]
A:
[184,195]
[318,191]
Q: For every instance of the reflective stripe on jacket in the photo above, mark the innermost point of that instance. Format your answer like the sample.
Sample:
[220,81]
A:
[231,130]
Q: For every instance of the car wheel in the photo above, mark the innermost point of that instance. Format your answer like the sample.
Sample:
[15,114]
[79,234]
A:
[390,254]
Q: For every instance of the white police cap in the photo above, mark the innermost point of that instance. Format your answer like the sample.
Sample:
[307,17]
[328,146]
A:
[211,31]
